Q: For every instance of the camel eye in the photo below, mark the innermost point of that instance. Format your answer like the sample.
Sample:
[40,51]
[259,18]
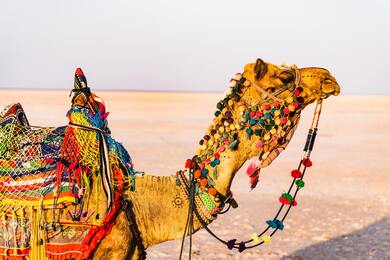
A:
[286,76]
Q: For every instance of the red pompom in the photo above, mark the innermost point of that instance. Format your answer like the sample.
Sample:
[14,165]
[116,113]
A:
[287,202]
[284,201]
[296,174]
[307,163]
[188,164]
[251,169]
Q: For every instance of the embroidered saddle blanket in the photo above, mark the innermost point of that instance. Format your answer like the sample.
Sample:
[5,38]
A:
[60,188]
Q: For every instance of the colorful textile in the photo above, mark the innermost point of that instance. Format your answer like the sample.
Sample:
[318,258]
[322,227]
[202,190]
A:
[60,188]
[13,113]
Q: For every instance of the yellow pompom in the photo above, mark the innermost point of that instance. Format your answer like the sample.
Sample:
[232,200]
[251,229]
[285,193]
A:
[291,108]
[266,239]
[273,131]
[221,129]
[277,112]
[267,136]
[255,238]
[232,127]
[289,100]
[230,102]
[277,121]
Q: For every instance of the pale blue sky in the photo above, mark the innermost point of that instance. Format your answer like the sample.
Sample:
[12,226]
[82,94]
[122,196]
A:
[197,45]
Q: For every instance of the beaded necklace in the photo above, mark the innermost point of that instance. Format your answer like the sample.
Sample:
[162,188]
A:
[265,121]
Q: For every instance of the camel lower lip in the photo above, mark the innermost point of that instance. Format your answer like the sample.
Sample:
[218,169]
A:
[326,95]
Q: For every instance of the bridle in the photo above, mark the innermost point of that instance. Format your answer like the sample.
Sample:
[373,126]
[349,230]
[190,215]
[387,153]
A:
[190,186]
[273,96]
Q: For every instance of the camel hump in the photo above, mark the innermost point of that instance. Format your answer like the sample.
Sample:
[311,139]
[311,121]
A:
[80,81]
[13,113]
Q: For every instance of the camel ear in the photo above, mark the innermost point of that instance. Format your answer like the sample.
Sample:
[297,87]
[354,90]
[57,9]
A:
[260,69]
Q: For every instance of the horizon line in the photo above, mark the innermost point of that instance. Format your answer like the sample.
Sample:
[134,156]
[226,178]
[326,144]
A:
[167,91]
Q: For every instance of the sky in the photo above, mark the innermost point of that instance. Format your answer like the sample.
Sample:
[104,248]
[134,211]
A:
[190,45]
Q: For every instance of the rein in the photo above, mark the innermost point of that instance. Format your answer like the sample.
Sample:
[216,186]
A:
[287,199]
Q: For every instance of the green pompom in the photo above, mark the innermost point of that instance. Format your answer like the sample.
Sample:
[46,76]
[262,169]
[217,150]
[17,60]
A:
[300,184]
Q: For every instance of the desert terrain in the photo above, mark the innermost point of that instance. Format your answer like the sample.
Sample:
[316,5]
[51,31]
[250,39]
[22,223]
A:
[343,212]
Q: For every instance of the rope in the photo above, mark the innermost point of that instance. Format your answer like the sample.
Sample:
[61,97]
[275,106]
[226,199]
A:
[192,207]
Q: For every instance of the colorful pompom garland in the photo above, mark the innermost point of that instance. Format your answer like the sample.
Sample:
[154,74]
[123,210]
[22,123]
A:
[270,121]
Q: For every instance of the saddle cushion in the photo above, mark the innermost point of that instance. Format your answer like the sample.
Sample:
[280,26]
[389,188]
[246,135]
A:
[59,196]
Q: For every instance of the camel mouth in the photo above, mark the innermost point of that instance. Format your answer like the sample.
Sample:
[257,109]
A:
[330,90]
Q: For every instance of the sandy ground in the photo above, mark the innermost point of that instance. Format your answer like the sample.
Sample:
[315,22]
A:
[343,212]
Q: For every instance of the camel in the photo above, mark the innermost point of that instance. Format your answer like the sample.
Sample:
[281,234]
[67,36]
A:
[159,204]
[155,209]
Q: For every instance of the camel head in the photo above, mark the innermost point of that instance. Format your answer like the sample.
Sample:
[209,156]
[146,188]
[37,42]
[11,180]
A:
[257,117]
[87,108]
[315,83]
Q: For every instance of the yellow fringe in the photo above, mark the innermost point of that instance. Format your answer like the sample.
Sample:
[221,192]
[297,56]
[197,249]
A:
[37,203]
[38,251]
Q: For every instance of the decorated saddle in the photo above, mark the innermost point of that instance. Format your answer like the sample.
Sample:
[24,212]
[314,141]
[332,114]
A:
[60,188]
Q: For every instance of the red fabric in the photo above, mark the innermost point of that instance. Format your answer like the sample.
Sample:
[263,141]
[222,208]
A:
[10,252]
[96,234]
